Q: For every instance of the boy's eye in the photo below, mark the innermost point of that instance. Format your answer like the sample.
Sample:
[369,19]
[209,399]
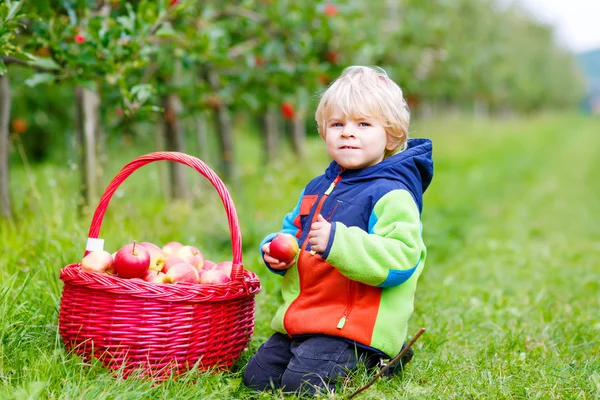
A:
[336,124]
[364,124]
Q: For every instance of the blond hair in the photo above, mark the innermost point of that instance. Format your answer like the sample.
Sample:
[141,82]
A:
[367,92]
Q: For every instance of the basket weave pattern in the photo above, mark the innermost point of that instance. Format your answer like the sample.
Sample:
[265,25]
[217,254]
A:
[159,330]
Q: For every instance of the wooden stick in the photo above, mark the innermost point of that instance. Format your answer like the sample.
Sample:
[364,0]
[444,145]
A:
[390,364]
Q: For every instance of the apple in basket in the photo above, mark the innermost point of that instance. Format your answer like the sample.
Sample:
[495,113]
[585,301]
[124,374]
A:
[191,255]
[132,261]
[224,266]
[97,261]
[214,276]
[208,264]
[284,247]
[170,261]
[171,248]
[157,257]
[182,272]
[154,276]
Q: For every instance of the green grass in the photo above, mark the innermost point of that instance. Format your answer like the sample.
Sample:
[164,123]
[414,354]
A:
[509,297]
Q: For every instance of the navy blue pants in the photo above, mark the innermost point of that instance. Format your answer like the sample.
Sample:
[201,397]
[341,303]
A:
[304,364]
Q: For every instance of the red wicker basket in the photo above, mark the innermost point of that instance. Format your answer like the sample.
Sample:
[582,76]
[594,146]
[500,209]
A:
[160,330]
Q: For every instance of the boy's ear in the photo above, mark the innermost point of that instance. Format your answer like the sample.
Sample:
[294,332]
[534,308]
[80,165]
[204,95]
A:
[392,142]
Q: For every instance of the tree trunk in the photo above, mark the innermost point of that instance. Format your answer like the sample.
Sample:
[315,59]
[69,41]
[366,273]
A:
[202,130]
[5,206]
[88,103]
[299,135]
[271,133]
[174,142]
[224,127]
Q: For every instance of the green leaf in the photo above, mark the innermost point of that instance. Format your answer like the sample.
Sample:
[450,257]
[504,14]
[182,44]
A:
[43,77]
[46,63]
[14,8]
[165,30]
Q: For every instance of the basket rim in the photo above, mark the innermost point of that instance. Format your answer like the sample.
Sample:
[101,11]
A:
[73,275]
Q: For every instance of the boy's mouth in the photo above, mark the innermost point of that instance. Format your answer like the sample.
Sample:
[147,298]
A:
[348,147]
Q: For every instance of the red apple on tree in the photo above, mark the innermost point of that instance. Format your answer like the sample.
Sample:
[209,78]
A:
[171,248]
[157,257]
[283,247]
[132,261]
[182,272]
[97,261]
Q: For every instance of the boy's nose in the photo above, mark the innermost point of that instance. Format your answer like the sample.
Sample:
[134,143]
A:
[347,132]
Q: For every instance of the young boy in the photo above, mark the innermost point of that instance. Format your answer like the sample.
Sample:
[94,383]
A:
[348,296]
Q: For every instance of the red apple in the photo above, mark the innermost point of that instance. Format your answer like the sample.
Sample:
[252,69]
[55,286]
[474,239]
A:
[170,261]
[283,247]
[214,276]
[132,261]
[154,276]
[182,272]
[224,266]
[171,248]
[330,10]
[208,264]
[287,110]
[157,257]
[191,255]
[97,261]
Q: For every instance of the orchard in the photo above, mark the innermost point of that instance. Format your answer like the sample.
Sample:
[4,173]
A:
[87,86]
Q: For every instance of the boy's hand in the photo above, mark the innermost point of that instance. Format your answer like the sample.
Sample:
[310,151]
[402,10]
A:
[273,262]
[318,237]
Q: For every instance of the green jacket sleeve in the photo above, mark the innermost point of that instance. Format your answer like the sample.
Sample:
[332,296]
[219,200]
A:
[390,252]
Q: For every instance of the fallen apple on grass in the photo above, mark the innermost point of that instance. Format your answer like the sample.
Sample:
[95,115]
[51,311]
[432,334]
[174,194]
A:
[283,247]
[97,261]
[132,261]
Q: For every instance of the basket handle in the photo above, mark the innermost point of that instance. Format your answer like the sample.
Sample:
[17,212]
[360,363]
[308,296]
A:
[237,272]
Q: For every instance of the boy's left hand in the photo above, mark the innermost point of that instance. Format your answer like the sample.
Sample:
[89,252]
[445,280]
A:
[318,237]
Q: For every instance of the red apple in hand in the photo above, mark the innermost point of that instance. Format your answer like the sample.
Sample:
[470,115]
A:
[170,261]
[157,257]
[171,248]
[132,261]
[97,261]
[182,272]
[214,276]
[283,247]
[191,255]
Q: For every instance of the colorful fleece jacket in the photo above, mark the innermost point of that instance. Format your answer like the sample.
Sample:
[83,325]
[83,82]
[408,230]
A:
[361,288]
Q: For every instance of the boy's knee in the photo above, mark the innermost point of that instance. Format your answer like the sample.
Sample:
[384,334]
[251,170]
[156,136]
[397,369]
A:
[258,378]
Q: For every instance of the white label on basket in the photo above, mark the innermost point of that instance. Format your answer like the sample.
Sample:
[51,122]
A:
[94,244]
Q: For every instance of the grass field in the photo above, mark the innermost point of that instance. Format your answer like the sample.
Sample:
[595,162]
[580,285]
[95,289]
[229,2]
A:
[509,296]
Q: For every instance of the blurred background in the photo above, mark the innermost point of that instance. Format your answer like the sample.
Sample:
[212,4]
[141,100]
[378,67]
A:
[81,78]
[508,91]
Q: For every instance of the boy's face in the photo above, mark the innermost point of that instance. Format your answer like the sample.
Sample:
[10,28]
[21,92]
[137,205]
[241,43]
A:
[355,143]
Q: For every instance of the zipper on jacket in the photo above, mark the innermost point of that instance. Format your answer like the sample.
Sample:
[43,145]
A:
[318,209]
[303,248]
[349,305]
